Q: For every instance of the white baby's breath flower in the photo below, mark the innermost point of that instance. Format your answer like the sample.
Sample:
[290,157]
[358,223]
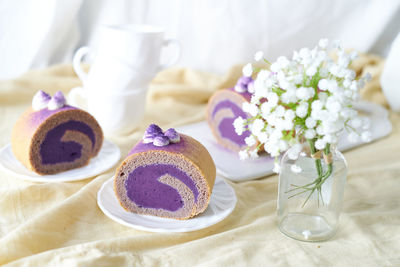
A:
[317,105]
[302,110]
[283,145]
[320,144]
[323,84]
[250,140]
[310,122]
[279,111]
[303,93]
[323,43]
[253,154]
[250,108]
[243,155]
[289,115]
[294,151]
[277,168]
[259,56]
[305,53]
[333,105]
[295,168]
[337,44]
[239,125]
[248,70]
[257,126]
[309,134]
[311,71]
[272,99]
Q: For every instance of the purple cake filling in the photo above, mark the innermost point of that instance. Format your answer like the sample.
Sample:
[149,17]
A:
[144,188]
[226,127]
[53,150]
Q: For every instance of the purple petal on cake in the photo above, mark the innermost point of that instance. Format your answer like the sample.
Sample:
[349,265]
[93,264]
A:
[57,101]
[40,100]
[153,129]
[240,88]
[161,140]
[242,84]
[245,80]
[173,135]
[148,139]
[250,87]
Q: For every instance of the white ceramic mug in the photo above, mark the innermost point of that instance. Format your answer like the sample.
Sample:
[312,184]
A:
[109,75]
[138,45]
[117,113]
[126,55]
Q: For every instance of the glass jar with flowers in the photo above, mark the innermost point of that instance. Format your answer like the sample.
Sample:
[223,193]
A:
[300,107]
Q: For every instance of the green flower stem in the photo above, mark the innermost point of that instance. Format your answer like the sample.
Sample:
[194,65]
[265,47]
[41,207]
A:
[319,181]
[318,164]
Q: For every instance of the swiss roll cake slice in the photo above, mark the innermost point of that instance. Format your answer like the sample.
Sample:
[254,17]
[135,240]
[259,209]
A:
[223,108]
[52,137]
[166,174]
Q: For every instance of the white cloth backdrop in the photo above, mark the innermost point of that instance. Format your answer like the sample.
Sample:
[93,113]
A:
[214,34]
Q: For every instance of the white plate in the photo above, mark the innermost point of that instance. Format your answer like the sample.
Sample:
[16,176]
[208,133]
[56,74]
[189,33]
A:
[230,166]
[109,154]
[222,202]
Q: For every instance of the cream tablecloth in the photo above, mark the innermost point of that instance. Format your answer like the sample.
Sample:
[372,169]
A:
[61,225]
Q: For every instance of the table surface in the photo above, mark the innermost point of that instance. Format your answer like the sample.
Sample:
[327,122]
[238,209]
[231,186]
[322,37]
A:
[60,223]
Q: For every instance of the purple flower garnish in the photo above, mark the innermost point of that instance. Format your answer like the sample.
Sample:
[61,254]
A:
[153,129]
[161,140]
[155,135]
[173,135]
[40,100]
[57,101]
[242,84]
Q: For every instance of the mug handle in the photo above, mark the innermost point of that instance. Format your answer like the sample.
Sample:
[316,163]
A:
[175,59]
[76,63]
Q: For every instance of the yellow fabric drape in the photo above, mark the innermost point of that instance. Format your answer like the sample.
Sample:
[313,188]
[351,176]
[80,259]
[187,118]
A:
[60,224]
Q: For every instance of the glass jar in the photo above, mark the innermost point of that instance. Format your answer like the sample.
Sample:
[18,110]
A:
[310,194]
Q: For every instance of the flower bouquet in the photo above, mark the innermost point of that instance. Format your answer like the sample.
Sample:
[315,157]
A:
[301,106]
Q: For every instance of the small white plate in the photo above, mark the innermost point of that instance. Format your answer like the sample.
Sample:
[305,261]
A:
[222,202]
[230,166]
[109,154]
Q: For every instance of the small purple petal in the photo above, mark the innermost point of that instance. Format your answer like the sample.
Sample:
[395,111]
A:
[60,98]
[242,84]
[173,135]
[153,129]
[148,139]
[57,101]
[250,87]
[40,100]
[245,80]
[161,140]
